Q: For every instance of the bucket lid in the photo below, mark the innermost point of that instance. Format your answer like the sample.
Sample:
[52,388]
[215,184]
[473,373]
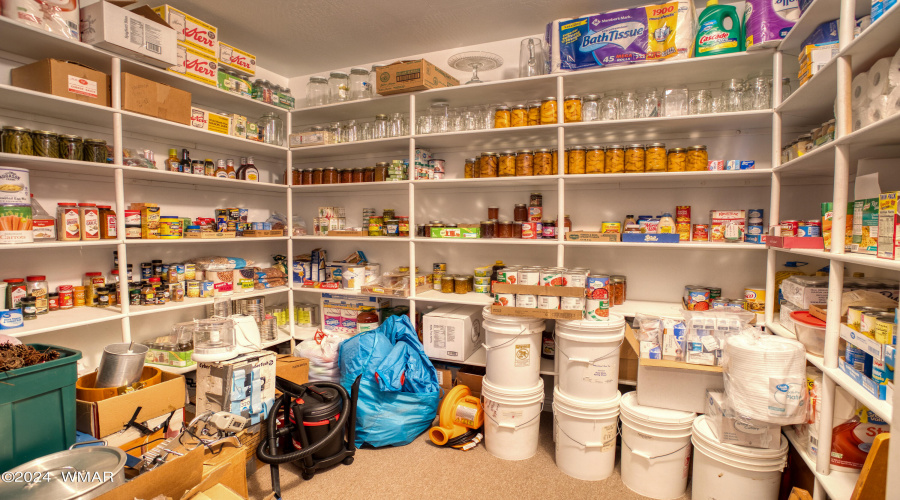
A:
[630,408]
[703,434]
[528,395]
[510,320]
[807,319]
[602,406]
[616,322]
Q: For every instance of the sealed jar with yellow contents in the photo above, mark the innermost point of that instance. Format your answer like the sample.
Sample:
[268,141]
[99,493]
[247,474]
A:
[676,160]
[534,113]
[656,157]
[576,160]
[542,160]
[634,159]
[470,168]
[548,111]
[489,164]
[594,158]
[615,159]
[525,163]
[501,116]
[519,116]
[477,166]
[697,159]
[507,164]
[572,108]
[554,162]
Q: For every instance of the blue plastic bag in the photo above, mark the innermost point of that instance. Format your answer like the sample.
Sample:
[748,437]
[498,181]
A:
[399,391]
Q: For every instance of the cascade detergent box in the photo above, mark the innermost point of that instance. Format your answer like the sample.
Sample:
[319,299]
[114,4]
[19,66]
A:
[237,59]
[865,226]
[888,218]
[648,33]
[190,31]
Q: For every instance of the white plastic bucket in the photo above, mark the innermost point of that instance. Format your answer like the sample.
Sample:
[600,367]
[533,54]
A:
[656,449]
[513,348]
[587,353]
[585,434]
[735,472]
[512,419]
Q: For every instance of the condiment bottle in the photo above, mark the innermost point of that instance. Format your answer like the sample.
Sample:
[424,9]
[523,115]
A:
[666,224]
[209,168]
[68,222]
[221,172]
[229,169]
[172,161]
[37,288]
[367,319]
[185,165]
[29,310]
[250,172]
[107,223]
[197,167]
[89,218]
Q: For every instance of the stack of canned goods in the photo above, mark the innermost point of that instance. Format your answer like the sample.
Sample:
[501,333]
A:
[802,228]
[601,291]
[705,298]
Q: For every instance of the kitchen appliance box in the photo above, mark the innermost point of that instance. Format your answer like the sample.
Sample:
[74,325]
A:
[244,385]
[139,33]
[155,99]
[411,76]
[453,332]
[63,79]
[102,418]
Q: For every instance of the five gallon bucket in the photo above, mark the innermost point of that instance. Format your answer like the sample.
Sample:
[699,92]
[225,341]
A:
[512,419]
[735,472]
[656,449]
[587,357]
[585,434]
[513,348]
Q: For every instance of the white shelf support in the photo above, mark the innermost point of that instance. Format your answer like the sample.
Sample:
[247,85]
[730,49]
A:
[289,264]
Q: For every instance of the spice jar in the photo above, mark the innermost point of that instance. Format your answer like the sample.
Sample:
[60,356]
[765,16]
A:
[330,176]
[37,287]
[489,164]
[369,174]
[469,169]
[460,284]
[29,309]
[17,140]
[346,176]
[91,282]
[595,158]
[66,296]
[89,219]
[447,284]
[71,147]
[107,222]
[318,175]
[534,113]
[542,162]
[519,116]
[68,222]
[525,163]
[356,175]
[576,160]
[676,160]
[549,111]
[656,157]
[487,229]
[95,151]
[505,229]
[381,171]
[697,159]
[79,296]
[572,108]
[507,164]
[615,159]
[45,143]
[634,159]
[520,212]
[102,296]
[501,116]
[53,301]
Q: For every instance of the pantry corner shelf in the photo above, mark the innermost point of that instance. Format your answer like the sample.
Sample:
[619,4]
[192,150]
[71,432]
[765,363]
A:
[806,105]
[816,13]
[838,485]
[780,330]
[689,126]
[702,178]
[65,319]
[880,39]
[59,108]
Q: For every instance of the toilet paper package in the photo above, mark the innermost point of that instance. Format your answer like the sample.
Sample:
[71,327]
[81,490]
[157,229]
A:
[649,33]
[551,38]
[767,22]
[879,78]
[859,91]
[894,71]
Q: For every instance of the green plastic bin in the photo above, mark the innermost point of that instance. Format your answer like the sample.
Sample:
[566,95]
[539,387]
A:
[37,408]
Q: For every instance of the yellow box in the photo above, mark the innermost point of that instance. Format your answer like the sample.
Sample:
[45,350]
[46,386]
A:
[191,31]
[196,65]
[237,59]
[218,123]
[150,223]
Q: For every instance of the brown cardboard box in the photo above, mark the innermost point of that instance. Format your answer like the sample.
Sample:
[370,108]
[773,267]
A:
[558,291]
[63,79]
[155,99]
[410,76]
[138,33]
[102,418]
[172,479]
[292,368]
[471,380]
[523,312]
[445,379]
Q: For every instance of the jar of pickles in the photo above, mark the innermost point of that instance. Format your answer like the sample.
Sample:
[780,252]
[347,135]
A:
[549,111]
[676,160]
[576,160]
[502,116]
[519,116]
[572,108]
[507,164]
[71,147]
[542,162]
[470,168]
[534,113]
[656,157]
[634,159]
[17,140]
[489,164]
[95,150]
[594,160]
[45,143]
[525,163]
[697,159]
[615,159]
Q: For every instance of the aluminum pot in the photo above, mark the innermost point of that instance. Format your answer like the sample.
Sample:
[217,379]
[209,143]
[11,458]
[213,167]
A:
[100,469]
[121,365]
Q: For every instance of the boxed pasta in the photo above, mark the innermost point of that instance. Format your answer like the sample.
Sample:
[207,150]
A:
[865,226]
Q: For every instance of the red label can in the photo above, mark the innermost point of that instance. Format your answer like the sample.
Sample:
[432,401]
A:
[535,214]
[701,232]
[789,227]
[531,230]
[683,213]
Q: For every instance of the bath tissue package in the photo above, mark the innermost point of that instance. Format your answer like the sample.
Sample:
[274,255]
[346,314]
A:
[767,22]
[879,78]
[649,33]
[859,91]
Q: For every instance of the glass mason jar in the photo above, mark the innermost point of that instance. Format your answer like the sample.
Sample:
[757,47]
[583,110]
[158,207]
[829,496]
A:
[700,102]
[372,80]
[648,103]
[590,108]
[469,169]
[350,131]
[271,129]
[339,87]
[572,109]
[615,159]
[519,116]
[502,116]
[358,82]
[534,112]
[507,164]
[697,159]
[576,160]
[676,160]
[732,94]
[628,106]
[440,117]
[45,143]
[17,140]
[380,130]
[655,157]
[634,158]
[549,111]
[71,147]
[609,107]
[595,160]
[525,163]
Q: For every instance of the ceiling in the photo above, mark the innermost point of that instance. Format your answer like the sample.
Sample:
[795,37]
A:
[300,37]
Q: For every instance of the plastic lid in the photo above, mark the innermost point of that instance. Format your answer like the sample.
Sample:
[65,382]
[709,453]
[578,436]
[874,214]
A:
[87,204]
[93,274]
[154,279]
[570,401]
[703,432]
[14,280]
[808,319]
[104,206]
[114,271]
[655,415]
[67,204]
[173,152]
[35,278]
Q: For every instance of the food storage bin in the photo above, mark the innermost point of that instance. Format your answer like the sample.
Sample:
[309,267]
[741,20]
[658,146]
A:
[810,332]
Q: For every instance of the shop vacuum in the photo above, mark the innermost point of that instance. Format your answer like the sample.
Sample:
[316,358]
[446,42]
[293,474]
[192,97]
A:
[312,425]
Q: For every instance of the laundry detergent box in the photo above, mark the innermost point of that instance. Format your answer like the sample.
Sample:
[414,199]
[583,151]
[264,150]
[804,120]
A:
[733,429]
[648,33]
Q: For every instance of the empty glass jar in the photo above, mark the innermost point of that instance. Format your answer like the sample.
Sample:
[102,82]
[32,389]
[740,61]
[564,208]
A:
[271,129]
[316,91]
[758,94]
[590,108]
[372,80]
[648,103]
[701,102]
[732,95]
[628,106]
[609,107]
[380,130]
[358,82]
[676,102]
[339,86]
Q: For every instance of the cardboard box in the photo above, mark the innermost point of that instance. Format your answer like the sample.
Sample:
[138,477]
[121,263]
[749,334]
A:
[473,381]
[138,33]
[244,385]
[445,379]
[237,59]
[818,311]
[190,31]
[102,418]
[411,76]
[813,242]
[150,223]
[231,83]
[63,79]
[196,65]
[651,238]
[173,479]
[292,368]
[592,236]
[888,221]
[456,232]
[180,359]
[718,219]
[731,429]
[209,121]
[305,139]
[523,312]
[866,343]
[155,99]
[880,391]
[453,332]
[865,226]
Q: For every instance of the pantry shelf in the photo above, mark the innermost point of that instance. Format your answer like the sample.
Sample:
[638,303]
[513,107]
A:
[49,244]
[684,245]
[816,13]
[199,180]
[381,187]
[492,139]
[646,129]
[396,239]
[479,358]
[488,241]
[882,408]
[880,39]
[812,104]
[57,166]
[63,320]
[819,161]
[374,148]
[361,109]
[866,260]
[18,38]
[653,308]
[343,291]
[471,298]
[161,241]
[189,302]
[518,90]
[489,182]
[808,252]
[780,330]
[51,106]
[704,178]
[838,485]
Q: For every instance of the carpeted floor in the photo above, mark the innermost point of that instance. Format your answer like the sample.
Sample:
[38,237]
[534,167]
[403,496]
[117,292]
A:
[422,470]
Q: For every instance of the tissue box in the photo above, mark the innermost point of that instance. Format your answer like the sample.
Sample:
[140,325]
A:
[740,431]
[244,385]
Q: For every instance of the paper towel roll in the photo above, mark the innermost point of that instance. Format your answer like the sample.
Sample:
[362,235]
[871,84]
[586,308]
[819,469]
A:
[859,91]
[894,71]
[879,78]
[553,39]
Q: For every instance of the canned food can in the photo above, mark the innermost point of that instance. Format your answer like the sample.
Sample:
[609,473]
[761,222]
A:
[547,302]
[857,358]
[575,278]
[683,213]
[439,267]
[698,299]
[854,314]
[206,289]
[193,289]
[684,231]
[610,227]
[884,328]
[437,165]
[505,299]
[529,276]
[535,214]
[809,229]
[483,280]
[531,230]
[596,310]
[737,305]
[789,227]
[867,323]
[597,287]
[571,303]
[551,277]
[756,299]
[190,271]
[482,288]
[714,291]
[526,300]
[719,304]
[756,213]
[508,275]
[700,232]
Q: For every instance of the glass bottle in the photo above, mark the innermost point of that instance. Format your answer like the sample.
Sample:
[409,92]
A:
[339,87]
[172,161]
[185,165]
[358,83]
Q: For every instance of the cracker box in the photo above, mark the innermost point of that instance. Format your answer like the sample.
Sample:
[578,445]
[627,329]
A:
[888,218]
[190,31]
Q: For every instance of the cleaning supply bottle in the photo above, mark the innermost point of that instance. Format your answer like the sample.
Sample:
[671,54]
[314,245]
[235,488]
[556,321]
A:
[719,30]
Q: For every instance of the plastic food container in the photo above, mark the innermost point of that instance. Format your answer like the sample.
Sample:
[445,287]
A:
[810,332]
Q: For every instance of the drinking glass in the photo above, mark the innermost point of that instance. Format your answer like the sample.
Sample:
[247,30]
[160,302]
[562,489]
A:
[701,102]
[531,58]
[676,102]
